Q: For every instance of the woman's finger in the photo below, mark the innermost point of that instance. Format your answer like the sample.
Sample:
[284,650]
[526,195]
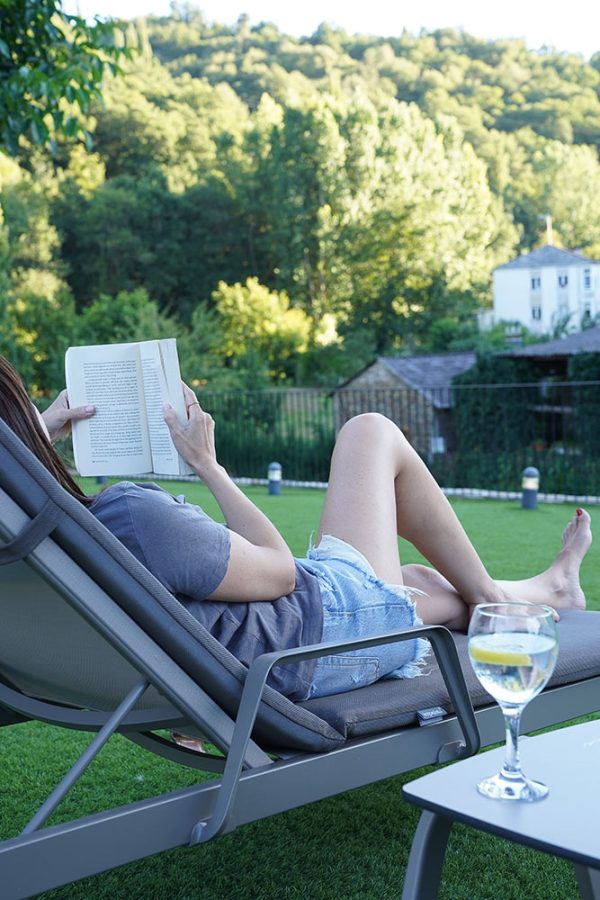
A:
[79,412]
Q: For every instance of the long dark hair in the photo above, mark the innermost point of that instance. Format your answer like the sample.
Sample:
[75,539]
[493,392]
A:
[17,411]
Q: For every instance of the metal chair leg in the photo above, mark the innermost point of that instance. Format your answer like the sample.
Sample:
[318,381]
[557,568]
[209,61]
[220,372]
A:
[588,881]
[426,860]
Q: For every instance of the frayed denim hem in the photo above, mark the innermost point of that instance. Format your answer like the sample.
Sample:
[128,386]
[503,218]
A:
[414,668]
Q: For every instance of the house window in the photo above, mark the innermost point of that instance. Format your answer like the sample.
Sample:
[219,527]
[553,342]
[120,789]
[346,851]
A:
[536,312]
[536,282]
[587,279]
[563,280]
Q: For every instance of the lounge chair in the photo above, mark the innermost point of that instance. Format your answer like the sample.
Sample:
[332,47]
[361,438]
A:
[91,640]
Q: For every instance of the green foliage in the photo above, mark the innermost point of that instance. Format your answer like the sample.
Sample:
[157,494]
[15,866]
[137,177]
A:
[128,316]
[498,412]
[51,68]
[40,328]
[564,474]
[489,421]
[584,367]
[586,400]
[37,313]
[257,322]
[202,364]
[255,428]
[351,186]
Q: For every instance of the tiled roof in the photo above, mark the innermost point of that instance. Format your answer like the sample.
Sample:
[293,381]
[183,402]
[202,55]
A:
[548,256]
[428,369]
[430,374]
[587,341]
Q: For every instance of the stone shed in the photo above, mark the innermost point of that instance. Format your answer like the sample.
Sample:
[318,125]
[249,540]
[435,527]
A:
[413,391]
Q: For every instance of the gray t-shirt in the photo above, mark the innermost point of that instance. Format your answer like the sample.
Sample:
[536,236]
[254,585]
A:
[188,553]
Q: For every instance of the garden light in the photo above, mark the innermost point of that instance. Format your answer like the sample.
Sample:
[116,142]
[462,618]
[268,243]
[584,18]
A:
[530,485]
[274,478]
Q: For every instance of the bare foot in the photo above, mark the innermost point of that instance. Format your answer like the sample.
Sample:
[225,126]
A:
[565,588]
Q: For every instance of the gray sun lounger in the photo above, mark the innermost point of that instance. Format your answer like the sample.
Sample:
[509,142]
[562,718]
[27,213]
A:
[91,640]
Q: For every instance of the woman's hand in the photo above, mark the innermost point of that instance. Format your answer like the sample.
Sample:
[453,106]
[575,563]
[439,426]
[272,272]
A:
[195,438]
[261,566]
[59,415]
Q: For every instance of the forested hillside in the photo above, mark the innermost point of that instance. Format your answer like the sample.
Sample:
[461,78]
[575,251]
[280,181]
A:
[290,208]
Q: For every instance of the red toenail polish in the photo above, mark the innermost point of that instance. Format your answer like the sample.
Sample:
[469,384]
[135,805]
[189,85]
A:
[579,512]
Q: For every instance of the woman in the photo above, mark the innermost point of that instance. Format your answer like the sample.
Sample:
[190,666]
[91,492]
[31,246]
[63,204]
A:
[241,581]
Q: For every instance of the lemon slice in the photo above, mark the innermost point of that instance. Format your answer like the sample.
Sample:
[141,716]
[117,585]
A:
[499,657]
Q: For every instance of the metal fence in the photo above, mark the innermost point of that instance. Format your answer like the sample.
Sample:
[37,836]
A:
[471,436]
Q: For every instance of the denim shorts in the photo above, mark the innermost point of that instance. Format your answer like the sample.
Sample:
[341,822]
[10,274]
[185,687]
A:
[358,604]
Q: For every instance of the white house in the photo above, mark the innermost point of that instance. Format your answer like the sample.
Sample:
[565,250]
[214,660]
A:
[545,288]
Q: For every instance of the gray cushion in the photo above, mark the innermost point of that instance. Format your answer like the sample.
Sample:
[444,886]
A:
[392,703]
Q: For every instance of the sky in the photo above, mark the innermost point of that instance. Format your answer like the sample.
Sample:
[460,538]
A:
[572,26]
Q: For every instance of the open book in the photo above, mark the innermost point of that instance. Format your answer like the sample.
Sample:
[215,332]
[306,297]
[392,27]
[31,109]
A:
[128,384]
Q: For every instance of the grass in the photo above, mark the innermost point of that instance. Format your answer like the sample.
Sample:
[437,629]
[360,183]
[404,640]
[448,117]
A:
[352,846]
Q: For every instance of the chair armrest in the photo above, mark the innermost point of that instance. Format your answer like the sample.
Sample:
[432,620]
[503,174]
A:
[446,655]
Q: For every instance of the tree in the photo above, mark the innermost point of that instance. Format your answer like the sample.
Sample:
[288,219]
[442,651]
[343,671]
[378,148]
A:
[51,68]
[305,184]
[431,239]
[40,327]
[129,316]
[126,236]
[259,325]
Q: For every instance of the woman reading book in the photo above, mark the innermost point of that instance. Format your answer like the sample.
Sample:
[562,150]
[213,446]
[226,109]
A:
[241,580]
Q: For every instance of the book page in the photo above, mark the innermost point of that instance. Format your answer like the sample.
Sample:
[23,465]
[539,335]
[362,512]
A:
[165,459]
[115,440]
[170,362]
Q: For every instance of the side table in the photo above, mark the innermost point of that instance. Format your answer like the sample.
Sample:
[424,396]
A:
[565,823]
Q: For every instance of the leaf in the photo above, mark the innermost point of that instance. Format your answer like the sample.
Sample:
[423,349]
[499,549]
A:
[71,127]
[10,142]
[82,99]
[39,131]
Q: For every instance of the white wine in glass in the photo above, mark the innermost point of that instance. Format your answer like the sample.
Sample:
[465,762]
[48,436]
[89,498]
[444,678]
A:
[513,649]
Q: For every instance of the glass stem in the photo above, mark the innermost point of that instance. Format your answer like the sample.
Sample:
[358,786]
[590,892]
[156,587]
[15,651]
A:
[512,721]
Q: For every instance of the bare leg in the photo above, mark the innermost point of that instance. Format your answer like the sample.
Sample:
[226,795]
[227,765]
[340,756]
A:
[440,603]
[558,586]
[379,487]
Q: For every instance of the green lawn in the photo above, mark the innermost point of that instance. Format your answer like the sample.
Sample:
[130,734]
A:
[351,846]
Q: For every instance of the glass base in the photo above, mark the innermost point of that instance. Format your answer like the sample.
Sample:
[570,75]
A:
[512,787]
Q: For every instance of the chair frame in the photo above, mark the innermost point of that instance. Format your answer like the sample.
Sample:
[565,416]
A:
[254,784]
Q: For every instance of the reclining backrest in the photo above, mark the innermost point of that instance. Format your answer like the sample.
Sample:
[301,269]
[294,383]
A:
[103,559]
[47,650]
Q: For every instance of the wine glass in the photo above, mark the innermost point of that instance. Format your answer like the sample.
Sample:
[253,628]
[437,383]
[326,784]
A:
[513,649]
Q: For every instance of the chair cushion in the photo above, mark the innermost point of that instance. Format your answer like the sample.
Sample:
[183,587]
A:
[392,704]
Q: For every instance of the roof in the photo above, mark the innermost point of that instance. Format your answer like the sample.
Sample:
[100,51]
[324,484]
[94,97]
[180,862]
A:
[548,256]
[428,370]
[587,341]
[429,373]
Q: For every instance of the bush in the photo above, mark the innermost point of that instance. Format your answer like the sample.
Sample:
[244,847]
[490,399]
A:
[488,418]
[255,428]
